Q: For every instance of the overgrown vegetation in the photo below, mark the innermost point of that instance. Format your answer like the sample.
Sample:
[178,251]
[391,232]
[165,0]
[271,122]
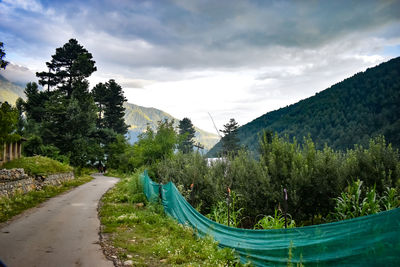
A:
[11,206]
[38,165]
[145,235]
[355,201]
[314,179]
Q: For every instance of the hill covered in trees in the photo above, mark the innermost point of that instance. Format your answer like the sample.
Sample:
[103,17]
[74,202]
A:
[137,117]
[9,91]
[348,113]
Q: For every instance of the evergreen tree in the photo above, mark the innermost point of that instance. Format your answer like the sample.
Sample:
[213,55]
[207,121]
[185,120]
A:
[110,99]
[70,63]
[34,107]
[63,121]
[3,63]
[230,141]
[186,135]
[114,110]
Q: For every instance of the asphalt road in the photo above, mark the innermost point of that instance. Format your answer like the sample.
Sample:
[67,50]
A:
[63,231]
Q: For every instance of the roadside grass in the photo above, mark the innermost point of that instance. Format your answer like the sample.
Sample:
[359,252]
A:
[11,206]
[38,165]
[142,232]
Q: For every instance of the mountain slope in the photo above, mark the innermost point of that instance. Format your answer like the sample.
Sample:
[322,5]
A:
[10,92]
[348,113]
[138,117]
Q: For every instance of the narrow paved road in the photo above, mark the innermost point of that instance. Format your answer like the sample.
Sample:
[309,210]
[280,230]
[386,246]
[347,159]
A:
[63,231]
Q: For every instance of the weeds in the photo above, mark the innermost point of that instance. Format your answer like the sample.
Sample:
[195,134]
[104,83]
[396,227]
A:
[219,212]
[153,238]
[276,222]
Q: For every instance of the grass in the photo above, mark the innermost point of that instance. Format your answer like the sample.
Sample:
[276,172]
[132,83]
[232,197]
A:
[148,237]
[38,165]
[16,204]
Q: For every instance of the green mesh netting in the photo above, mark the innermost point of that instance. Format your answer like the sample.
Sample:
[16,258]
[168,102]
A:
[372,240]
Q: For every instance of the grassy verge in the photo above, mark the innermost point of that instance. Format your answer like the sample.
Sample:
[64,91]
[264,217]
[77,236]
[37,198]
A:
[38,165]
[16,204]
[143,235]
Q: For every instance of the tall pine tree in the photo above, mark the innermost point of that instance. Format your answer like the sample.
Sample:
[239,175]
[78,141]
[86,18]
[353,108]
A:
[110,99]
[186,135]
[230,141]
[71,63]
[64,119]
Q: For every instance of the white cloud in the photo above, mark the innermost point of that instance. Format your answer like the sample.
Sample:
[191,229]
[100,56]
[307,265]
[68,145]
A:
[230,58]
[18,74]
[29,5]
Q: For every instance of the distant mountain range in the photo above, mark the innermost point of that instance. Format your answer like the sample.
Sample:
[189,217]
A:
[136,116]
[139,117]
[348,113]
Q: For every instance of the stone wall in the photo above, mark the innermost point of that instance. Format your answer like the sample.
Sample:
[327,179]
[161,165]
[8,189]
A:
[16,181]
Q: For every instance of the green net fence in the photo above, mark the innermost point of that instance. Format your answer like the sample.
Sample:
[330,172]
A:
[372,240]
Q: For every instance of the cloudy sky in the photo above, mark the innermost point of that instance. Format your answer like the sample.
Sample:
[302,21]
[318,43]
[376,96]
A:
[233,59]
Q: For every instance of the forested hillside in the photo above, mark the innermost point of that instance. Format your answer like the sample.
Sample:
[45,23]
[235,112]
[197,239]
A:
[10,92]
[348,113]
[137,117]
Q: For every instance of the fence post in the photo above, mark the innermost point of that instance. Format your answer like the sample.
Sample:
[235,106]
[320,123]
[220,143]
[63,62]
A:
[228,200]
[160,192]
[285,205]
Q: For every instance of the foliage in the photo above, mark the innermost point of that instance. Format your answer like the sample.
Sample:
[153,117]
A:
[34,146]
[375,165]
[115,152]
[152,146]
[188,172]
[347,113]
[152,236]
[219,212]
[38,165]
[186,135]
[276,222]
[64,122]
[230,141]
[70,64]
[313,178]
[390,199]
[8,123]
[250,180]
[354,202]
[3,62]
[11,206]
[109,98]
